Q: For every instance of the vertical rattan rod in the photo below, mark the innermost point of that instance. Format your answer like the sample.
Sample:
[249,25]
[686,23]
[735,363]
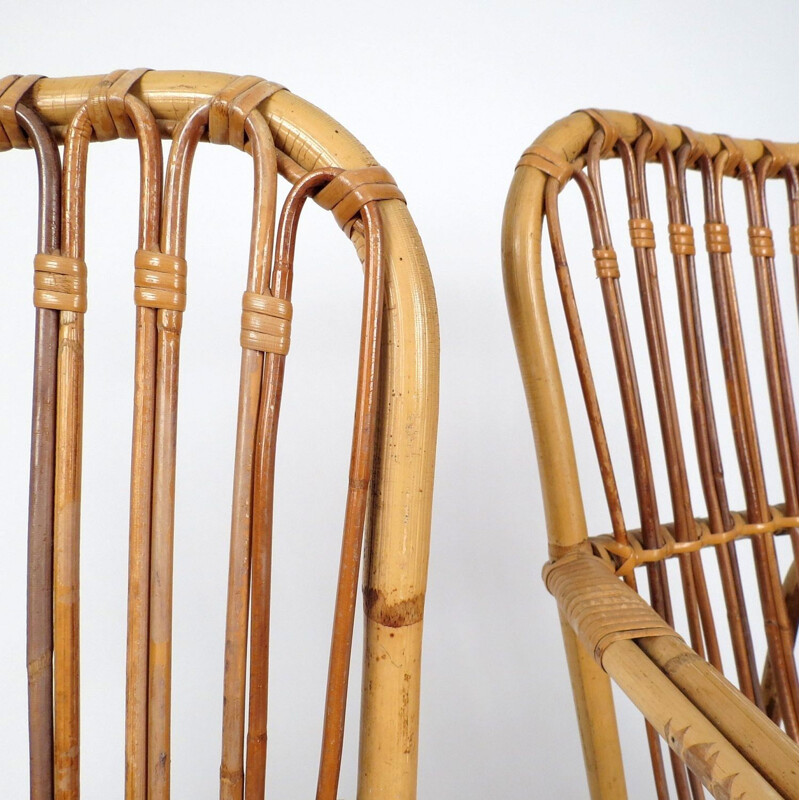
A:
[361,463]
[591,188]
[263,493]
[40,502]
[245,520]
[790,176]
[745,437]
[66,517]
[173,243]
[703,420]
[151,179]
[637,437]
[595,422]
[253,449]
[695,591]
[755,188]
[583,366]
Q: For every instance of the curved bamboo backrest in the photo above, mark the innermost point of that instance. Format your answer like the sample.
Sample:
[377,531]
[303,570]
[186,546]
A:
[394,437]
[727,738]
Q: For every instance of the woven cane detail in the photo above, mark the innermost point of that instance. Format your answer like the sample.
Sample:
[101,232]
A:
[547,161]
[718,238]
[233,105]
[761,242]
[794,240]
[59,283]
[352,189]
[12,90]
[605,263]
[266,323]
[160,281]
[641,231]
[600,608]
[681,239]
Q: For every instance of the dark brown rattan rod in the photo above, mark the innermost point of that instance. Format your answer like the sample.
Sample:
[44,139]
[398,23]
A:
[706,441]
[746,441]
[40,508]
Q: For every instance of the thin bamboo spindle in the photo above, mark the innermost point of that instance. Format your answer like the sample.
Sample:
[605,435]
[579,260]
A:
[706,440]
[361,461]
[40,503]
[745,437]
[66,522]
[263,492]
[251,526]
[790,176]
[136,694]
[634,421]
[248,531]
[169,320]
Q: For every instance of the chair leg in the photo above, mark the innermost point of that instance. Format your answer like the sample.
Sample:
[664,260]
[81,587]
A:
[591,689]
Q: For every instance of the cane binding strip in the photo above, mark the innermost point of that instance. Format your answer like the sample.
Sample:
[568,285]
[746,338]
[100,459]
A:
[599,607]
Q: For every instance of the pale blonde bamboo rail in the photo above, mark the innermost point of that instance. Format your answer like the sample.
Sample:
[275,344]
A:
[399,523]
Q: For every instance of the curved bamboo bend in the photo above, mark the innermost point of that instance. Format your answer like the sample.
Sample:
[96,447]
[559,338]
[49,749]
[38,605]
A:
[659,674]
[396,557]
[17,120]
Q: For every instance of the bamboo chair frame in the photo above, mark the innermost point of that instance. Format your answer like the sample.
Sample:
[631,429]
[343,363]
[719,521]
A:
[731,746]
[399,414]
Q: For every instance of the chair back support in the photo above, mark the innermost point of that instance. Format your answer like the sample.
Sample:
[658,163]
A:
[390,480]
[661,356]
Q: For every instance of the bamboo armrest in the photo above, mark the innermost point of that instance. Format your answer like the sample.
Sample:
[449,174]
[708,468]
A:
[707,721]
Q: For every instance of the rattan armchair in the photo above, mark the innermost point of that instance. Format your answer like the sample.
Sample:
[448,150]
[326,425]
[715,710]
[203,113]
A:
[391,468]
[736,741]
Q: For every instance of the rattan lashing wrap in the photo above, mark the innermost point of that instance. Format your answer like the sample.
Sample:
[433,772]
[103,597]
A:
[627,556]
[600,608]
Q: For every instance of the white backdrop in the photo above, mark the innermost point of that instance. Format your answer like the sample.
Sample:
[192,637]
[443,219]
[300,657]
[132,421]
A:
[446,95]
